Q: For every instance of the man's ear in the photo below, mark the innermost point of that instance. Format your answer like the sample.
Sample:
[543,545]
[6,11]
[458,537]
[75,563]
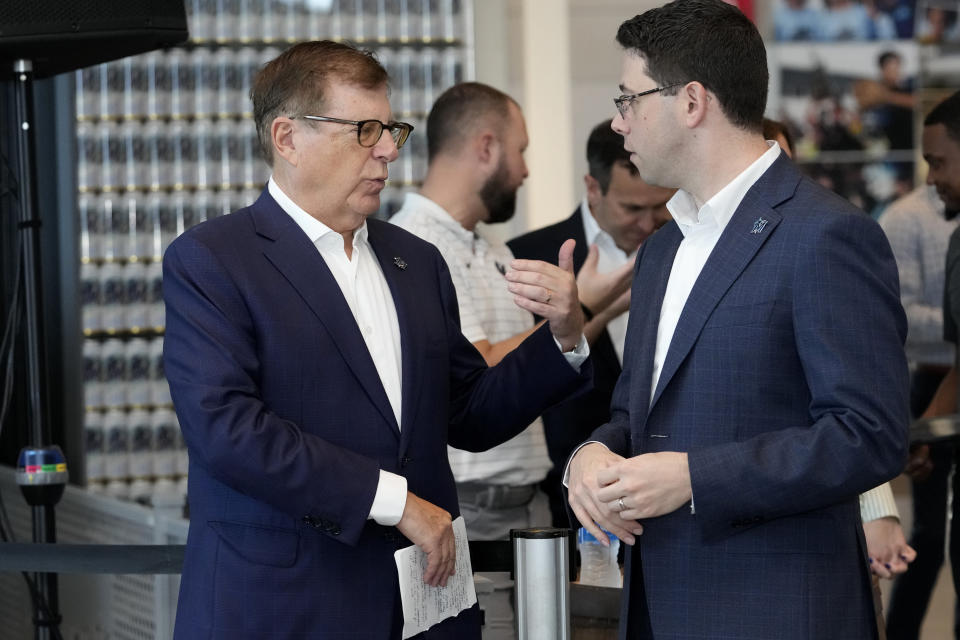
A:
[284,143]
[487,148]
[695,100]
[594,192]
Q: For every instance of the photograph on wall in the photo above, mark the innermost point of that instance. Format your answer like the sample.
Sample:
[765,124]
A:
[850,110]
[843,20]
[937,22]
[870,186]
[939,76]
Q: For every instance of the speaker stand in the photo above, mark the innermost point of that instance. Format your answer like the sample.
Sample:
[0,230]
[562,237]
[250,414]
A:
[46,620]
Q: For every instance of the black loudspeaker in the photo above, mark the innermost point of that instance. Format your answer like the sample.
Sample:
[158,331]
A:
[61,35]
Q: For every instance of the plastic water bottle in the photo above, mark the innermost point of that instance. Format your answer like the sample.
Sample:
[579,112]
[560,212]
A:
[598,564]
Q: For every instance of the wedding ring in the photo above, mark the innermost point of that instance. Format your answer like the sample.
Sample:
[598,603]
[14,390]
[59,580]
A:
[620,502]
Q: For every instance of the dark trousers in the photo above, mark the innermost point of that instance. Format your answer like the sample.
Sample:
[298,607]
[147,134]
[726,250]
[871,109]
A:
[911,590]
[552,485]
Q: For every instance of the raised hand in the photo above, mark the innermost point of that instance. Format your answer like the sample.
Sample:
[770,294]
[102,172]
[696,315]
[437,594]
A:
[598,291]
[550,291]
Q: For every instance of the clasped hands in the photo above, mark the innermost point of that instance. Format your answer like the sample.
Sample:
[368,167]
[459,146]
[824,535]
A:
[609,491]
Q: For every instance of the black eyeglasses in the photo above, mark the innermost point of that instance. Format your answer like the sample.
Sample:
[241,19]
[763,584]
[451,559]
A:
[369,131]
[623,102]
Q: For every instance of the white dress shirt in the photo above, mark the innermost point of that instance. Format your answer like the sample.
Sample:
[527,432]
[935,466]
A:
[610,257]
[366,291]
[919,233]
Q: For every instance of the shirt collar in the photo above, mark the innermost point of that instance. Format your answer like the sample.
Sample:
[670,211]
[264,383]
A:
[315,230]
[439,215]
[718,210]
[591,229]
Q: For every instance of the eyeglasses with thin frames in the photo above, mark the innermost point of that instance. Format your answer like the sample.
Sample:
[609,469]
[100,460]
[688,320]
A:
[369,131]
[622,103]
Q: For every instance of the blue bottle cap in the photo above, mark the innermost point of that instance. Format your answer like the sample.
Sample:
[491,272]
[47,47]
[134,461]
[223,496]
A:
[583,535]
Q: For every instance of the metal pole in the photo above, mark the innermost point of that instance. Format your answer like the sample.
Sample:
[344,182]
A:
[541,560]
[44,527]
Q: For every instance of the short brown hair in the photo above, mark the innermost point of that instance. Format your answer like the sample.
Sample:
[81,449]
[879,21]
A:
[459,109]
[293,83]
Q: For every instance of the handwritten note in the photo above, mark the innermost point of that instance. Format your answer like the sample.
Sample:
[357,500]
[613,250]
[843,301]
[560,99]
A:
[423,605]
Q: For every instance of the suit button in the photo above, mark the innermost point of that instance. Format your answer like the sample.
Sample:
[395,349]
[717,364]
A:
[310,520]
[335,530]
[404,461]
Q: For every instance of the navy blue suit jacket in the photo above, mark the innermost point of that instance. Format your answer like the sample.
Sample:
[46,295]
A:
[786,382]
[287,424]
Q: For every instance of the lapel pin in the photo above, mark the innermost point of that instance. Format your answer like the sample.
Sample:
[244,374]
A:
[399,263]
[758,226]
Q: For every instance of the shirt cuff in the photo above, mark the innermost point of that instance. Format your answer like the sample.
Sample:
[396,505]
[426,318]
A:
[566,470]
[390,499]
[578,355]
[878,503]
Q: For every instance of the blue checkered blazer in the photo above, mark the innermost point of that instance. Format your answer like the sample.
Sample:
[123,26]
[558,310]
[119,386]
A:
[288,425]
[786,382]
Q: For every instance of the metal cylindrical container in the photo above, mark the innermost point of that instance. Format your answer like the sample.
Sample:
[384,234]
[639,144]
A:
[541,561]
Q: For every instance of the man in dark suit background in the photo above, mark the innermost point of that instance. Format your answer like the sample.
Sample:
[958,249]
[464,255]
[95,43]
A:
[764,383]
[618,212]
[318,371]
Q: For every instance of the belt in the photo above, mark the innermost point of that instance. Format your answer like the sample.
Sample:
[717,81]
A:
[495,496]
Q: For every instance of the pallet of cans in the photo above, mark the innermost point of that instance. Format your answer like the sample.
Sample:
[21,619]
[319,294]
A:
[166,140]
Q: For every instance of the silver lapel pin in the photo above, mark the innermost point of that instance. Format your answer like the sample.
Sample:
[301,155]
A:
[758,226]
[399,263]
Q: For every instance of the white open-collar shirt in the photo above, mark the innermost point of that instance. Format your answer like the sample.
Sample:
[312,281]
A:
[367,294]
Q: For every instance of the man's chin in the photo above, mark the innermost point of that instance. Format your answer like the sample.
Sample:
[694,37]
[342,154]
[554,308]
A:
[371,204]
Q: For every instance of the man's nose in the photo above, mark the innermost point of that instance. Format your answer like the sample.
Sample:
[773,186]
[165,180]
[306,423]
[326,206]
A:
[646,225]
[619,124]
[386,149]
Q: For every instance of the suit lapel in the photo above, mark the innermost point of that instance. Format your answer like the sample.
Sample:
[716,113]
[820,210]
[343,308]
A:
[411,338]
[738,243]
[654,273]
[292,253]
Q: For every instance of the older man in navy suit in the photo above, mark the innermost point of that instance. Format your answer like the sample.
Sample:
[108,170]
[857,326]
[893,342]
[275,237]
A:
[764,382]
[318,371]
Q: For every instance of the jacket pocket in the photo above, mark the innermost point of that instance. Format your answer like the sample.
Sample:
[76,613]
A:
[269,546]
[808,533]
[741,315]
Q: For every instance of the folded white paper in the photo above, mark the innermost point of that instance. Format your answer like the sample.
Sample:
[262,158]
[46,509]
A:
[423,605]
